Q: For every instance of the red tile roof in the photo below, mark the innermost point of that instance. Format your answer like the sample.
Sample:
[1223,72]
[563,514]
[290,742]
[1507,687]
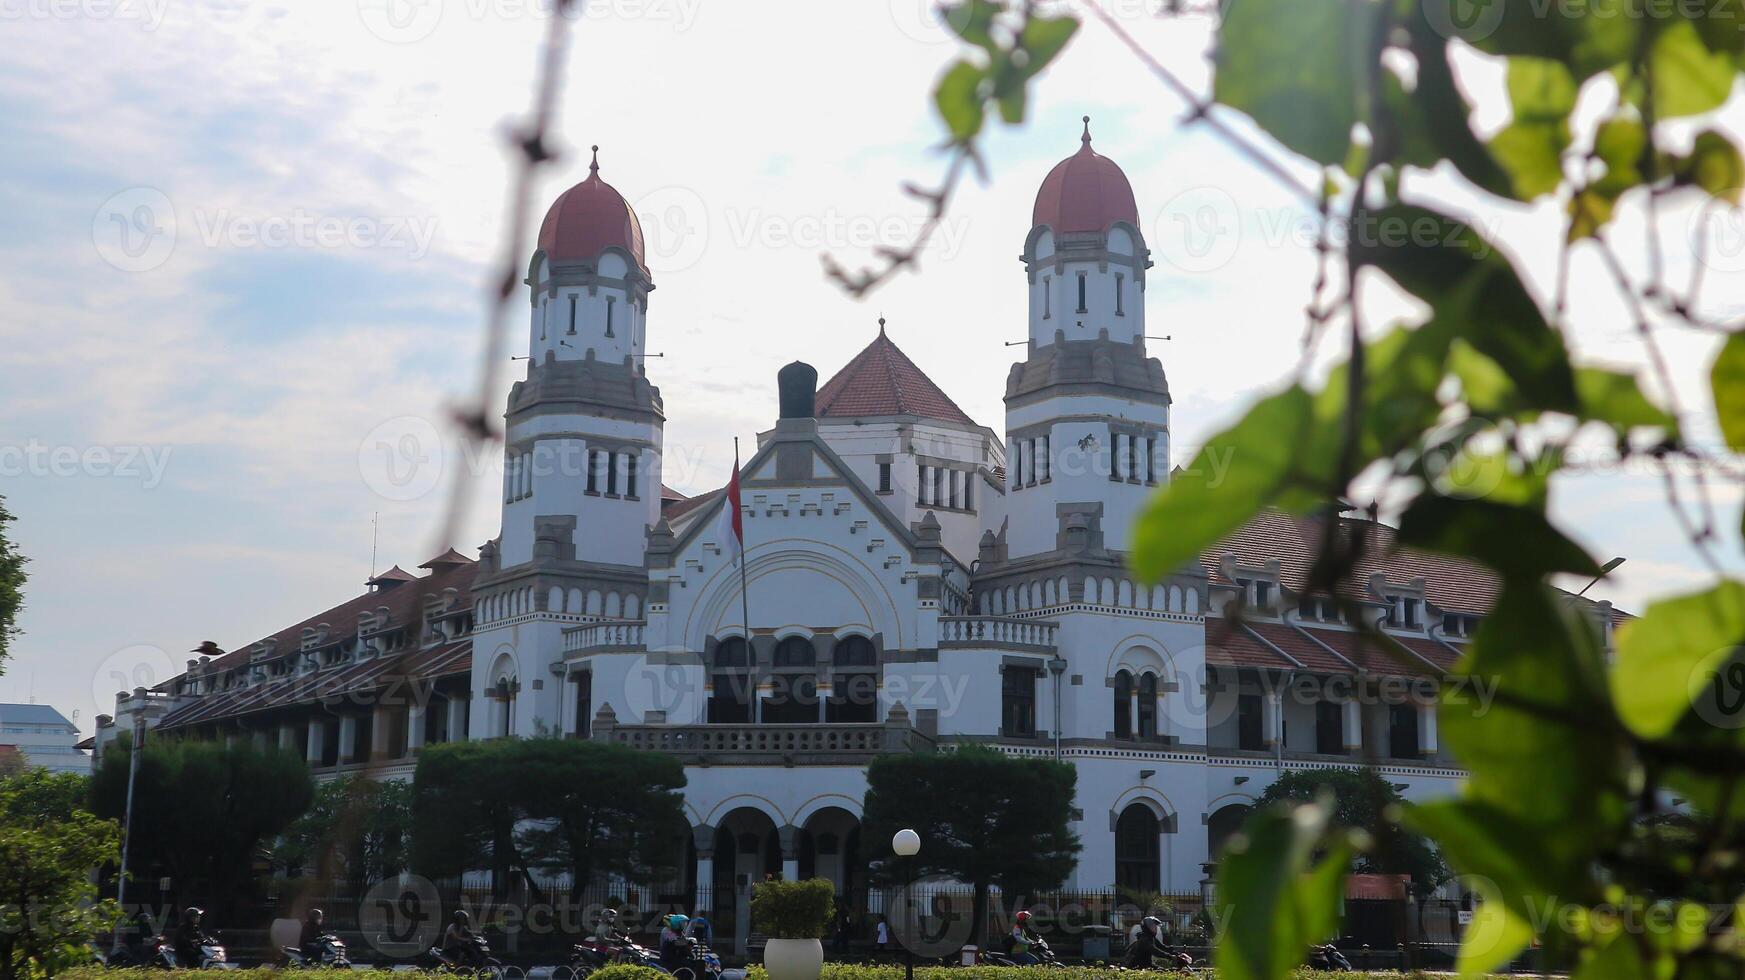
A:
[881,380]
[1283,646]
[1450,583]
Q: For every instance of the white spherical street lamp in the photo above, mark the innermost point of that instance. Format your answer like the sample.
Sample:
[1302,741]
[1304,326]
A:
[906,843]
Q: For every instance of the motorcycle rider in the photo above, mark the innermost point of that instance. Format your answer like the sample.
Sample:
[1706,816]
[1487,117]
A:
[675,946]
[458,940]
[190,936]
[1145,945]
[309,941]
[1022,939]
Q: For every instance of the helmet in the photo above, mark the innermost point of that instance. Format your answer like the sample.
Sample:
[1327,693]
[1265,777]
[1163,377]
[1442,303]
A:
[676,922]
[461,917]
[317,915]
[1024,917]
[194,911]
[1150,923]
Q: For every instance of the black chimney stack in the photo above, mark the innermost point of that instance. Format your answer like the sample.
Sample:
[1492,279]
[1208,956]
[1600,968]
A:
[798,385]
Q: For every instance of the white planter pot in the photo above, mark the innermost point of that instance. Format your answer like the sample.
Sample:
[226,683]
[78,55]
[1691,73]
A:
[794,959]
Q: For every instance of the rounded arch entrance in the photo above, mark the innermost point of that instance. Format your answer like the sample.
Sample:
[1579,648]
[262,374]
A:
[830,848]
[1221,825]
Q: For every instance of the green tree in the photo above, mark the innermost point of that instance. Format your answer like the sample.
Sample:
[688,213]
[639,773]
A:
[514,805]
[48,846]
[204,813]
[1363,800]
[12,578]
[1576,755]
[357,829]
[985,818]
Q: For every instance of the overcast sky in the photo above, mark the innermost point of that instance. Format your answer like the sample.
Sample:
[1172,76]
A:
[245,243]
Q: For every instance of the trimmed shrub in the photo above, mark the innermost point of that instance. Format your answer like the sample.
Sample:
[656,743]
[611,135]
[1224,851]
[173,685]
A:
[793,909]
[627,971]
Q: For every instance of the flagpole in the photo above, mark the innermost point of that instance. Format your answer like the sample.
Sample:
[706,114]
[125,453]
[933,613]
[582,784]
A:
[744,598]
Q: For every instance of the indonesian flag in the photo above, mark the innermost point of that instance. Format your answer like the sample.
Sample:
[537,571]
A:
[730,525]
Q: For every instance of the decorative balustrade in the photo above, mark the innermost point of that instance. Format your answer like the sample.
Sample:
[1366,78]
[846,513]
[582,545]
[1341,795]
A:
[997,633]
[603,637]
[766,744]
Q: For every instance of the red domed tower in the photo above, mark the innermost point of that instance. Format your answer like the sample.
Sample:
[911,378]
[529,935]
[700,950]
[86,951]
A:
[581,461]
[1087,412]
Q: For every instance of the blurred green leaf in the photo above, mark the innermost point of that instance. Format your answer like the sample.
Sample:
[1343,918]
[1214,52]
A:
[1727,380]
[1666,657]
[1531,147]
[959,100]
[1247,467]
[1688,77]
[1619,959]
[1714,165]
[1613,397]
[1431,122]
[1044,38]
[1516,541]
[1476,295]
[1297,69]
[972,20]
[1274,897]
[1505,860]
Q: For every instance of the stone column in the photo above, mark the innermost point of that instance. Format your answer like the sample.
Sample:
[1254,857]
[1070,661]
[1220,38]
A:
[381,727]
[347,739]
[704,838]
[288,737]
[1271,718]
[1351,714]
[415,726]
[317,741]
[790,837]
[260,739]
[457,718]
[1427,727]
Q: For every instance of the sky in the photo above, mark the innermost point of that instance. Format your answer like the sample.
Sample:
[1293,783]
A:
[243,262]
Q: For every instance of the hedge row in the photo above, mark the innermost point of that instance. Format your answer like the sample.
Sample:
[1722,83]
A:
[832,971]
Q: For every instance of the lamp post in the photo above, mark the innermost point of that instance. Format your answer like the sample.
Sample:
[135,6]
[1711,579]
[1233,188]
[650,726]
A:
[906,844]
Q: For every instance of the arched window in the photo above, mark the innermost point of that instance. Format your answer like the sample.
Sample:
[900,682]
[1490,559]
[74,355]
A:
[1123,704]
[795,651]
[855,651]
[1137,850]
[854,682]
[1147,705]
[732,652]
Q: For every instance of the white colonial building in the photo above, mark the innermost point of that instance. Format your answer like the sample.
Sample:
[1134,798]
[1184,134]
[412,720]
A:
[916,580]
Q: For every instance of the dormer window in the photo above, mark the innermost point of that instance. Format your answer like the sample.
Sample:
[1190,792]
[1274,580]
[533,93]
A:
[1319,609]
[1459,624]
[1257,592]
[1403,612]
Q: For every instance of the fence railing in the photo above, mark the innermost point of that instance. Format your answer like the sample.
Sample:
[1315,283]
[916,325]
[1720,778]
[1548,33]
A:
[998,632]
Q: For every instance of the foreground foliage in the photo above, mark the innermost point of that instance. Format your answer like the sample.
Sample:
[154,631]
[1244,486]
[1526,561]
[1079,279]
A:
[1601,818]
[48,845]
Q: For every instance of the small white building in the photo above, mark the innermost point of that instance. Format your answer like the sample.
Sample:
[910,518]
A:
[41,736]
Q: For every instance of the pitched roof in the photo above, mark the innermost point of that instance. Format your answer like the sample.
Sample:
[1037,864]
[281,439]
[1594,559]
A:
[33,714]
[881,380]
[1450,582]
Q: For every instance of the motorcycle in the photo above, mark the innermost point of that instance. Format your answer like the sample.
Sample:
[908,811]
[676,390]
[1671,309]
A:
[1328,957]
[1039,948]
[698,963]
[152,951]
[473,956]
[329,954]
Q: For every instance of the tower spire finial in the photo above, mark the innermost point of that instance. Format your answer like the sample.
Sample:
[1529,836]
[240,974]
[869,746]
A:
[881,324]
[594,167]
[1086,138]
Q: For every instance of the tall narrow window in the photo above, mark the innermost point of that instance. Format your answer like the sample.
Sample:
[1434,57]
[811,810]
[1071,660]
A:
[1123,704]
[1120,308]
[1018,701]
[1147,705]
[593,471]
[1138,850]
[730,684]
[1403,730]
[854,688]
[884,478]
[920,484]
[584,702]
[1329,728]
[1081,308]
[610,303]
[572,313]
[630,475]
[611,474]
[938,481]
[1249,723]
[1042,459]
[969,502]
[1047,297]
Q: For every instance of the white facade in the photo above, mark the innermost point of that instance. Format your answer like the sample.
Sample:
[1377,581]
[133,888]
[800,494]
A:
[42,737]
[913,582]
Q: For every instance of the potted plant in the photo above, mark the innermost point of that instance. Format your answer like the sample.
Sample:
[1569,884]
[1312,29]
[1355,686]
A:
[794,915]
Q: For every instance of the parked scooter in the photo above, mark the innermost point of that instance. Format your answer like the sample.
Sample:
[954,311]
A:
[329,953]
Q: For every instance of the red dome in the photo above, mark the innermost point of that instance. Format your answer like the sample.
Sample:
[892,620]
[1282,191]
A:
[1085,192]
[589,218]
